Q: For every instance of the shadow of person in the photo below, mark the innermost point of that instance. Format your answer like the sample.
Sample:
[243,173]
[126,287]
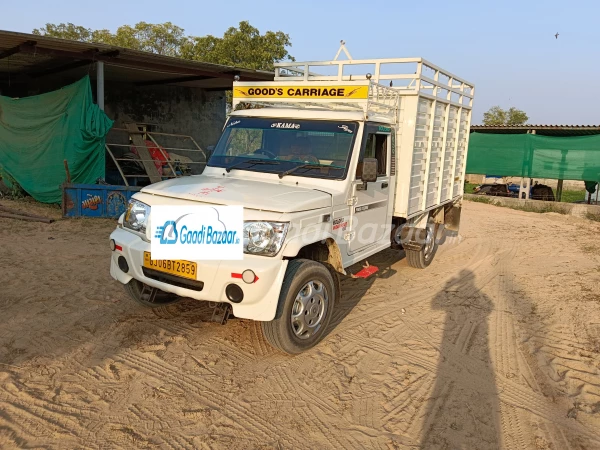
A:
[463,407]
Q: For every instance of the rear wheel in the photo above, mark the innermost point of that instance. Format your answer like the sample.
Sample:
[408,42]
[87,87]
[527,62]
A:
[420,259]
[148,296]
[304,309]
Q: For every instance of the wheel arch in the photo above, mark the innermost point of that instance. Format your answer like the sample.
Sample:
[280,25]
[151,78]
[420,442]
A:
[325,251]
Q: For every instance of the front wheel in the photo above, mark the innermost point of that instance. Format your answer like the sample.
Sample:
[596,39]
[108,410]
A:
[420,259]
[304,309]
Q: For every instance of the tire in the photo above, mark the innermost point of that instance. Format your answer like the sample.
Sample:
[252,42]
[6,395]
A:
[135,290]
[292,331]
[422,258]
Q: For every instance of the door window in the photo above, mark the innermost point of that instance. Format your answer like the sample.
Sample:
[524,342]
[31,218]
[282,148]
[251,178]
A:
[376,146]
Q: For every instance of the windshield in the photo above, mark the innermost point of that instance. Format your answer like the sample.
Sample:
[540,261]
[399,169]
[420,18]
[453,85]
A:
[309,148]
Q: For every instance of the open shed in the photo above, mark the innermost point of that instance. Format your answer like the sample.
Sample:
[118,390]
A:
[559,152]
[181,102]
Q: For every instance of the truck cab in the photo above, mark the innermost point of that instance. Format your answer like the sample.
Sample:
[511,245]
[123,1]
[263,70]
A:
[329,172]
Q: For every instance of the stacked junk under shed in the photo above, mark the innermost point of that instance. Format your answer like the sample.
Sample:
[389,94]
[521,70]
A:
[87,125]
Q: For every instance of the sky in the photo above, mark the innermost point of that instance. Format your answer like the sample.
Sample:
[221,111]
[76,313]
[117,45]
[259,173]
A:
[506,48]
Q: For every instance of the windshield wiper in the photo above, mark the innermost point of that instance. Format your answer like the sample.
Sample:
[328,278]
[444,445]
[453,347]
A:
[252,162]
[293,169]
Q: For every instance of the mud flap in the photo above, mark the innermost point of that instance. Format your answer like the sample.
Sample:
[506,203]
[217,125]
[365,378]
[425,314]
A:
[413,238]
[452,217]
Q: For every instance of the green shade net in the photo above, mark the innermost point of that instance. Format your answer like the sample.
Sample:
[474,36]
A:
[37,133]
[533,156]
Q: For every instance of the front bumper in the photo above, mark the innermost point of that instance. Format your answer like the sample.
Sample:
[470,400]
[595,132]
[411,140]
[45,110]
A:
[260,298]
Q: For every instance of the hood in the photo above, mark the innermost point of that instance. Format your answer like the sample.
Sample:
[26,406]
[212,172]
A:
[247,193]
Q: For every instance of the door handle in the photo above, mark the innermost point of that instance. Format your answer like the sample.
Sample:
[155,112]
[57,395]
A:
[384,185]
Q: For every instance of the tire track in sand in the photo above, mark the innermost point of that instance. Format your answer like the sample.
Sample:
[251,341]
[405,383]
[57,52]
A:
[205,393]
[512,365]
[514,425]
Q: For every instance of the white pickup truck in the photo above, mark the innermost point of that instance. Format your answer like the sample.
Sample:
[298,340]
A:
[329,169]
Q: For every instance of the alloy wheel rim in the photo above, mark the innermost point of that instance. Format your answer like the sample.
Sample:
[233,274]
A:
[309,309]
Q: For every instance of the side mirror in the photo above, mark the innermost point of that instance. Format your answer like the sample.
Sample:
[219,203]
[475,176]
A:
[369,170]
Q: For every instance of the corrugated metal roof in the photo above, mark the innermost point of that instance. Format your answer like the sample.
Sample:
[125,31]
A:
[543,130]
[32,56]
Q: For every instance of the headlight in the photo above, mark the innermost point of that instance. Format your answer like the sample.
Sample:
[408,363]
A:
[136,216]
[264,238]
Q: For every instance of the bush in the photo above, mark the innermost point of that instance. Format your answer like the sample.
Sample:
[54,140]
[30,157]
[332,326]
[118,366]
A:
[12,189]
[470,188]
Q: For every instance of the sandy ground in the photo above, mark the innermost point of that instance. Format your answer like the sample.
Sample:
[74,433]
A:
[496,345]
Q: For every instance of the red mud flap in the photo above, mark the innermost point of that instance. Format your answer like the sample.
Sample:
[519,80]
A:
[366,271]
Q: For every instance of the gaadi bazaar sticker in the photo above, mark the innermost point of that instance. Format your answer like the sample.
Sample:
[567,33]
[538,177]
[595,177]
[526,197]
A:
[320,92]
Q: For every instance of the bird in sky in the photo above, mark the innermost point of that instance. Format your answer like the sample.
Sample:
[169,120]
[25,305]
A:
[556,35]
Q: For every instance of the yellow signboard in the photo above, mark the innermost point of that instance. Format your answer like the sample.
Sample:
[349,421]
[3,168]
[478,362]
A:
[314,92]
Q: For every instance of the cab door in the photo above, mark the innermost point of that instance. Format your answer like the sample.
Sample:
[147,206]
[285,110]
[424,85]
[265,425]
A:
[370,220]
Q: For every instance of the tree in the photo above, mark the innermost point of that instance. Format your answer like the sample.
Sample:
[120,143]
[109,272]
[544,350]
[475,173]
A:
[497,116]
[162,39]
[65,31]
[516,117]
[242,47]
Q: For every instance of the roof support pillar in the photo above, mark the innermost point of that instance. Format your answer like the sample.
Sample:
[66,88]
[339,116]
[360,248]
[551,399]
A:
[563,163]
[559,190]
[100,84]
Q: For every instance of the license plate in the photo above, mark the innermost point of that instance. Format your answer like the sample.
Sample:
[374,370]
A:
[185,269]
